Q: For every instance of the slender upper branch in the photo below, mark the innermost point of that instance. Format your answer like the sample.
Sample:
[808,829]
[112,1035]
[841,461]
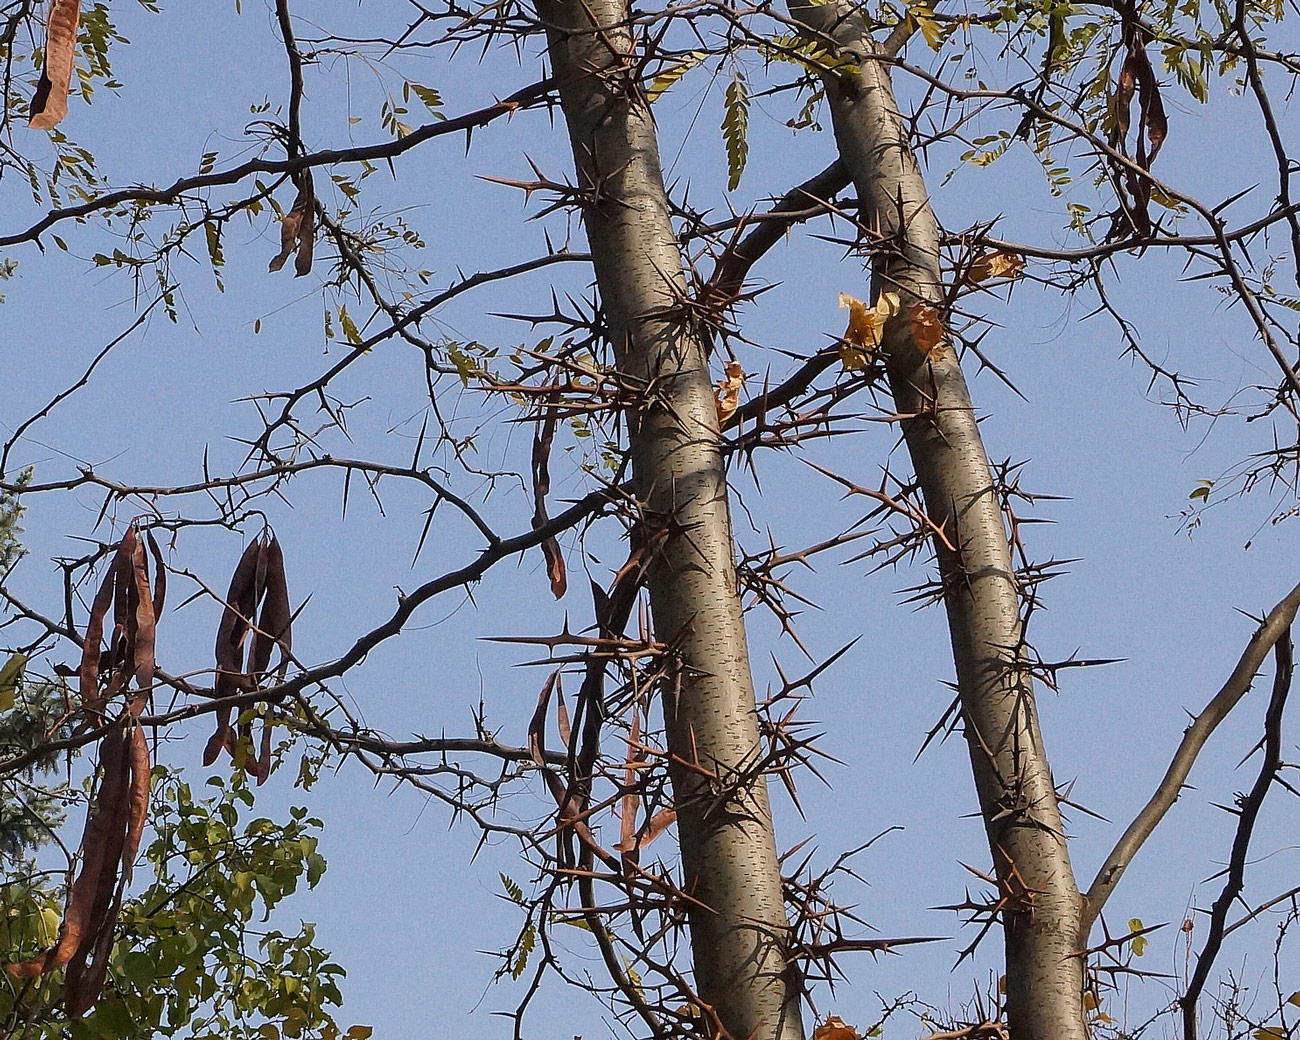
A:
[1248,814]
[806,200]
[1261,643]
[525,97]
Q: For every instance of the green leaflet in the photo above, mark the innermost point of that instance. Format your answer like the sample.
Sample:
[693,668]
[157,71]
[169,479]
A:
[735,129]
[660,84]
[810,54]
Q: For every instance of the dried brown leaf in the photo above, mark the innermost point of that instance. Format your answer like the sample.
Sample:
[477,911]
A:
[659,823]
[655,826]
[927,328]
[866,328]
[835,1028]
[996,266]
[306,240]
[562,717]
[537,724]
[726,394]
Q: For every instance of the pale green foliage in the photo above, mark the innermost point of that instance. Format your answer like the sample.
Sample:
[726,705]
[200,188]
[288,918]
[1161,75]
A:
[31,808]
[11,510]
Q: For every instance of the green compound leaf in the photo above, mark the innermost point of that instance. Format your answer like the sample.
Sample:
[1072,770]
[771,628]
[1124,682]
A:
[735,129]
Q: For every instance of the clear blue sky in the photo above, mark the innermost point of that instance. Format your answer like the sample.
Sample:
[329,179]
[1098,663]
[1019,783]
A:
[403,906]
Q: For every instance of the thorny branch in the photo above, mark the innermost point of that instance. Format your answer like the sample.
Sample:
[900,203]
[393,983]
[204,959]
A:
[1247,814]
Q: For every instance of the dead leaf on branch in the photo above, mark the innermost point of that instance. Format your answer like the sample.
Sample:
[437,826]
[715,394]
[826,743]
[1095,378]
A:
[298,228]
[835,1028]
[726,395]
[993,266]
[50,103]
[928,332]
[866,328]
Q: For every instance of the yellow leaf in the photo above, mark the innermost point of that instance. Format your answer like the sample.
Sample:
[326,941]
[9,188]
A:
[350,330]
[1090,1001]
[996,265]
[927,329]
[1269,1033]
[10,675]
[930,29]
[835,1028]
[1002,986]
[1101,1016]
[727,393]
[1294,999]
[1163,198]
[48,926]
[853,359]
[866,327]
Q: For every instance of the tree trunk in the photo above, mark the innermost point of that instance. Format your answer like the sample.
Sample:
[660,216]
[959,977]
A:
[1040,903]
[724,821]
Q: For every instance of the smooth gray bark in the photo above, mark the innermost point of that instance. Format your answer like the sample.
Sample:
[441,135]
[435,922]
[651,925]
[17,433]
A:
[724,820]
[1041,906]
